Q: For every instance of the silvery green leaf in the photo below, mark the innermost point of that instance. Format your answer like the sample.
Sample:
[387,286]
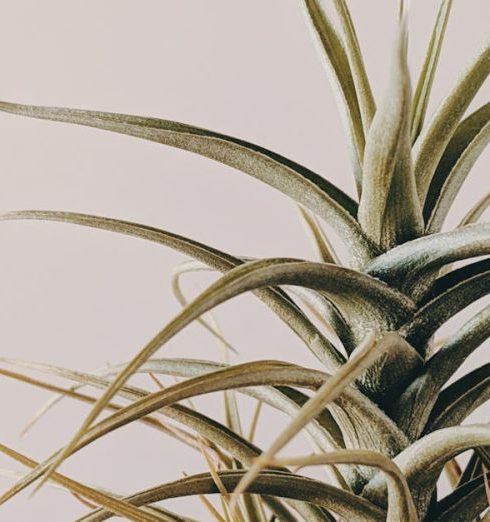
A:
[423,461]
[459,289]
[464,504]
[458,400]
[374,303]
[476,212]
[413,408]
[412,267]
[389,209]
[426,78]
[296,181]
[216,259]
[362,358]
[434,139]
[340,76]
[322,245]
[469,141]
[118,506]
[400,502]
[365,98]
[275,483]
[352,406]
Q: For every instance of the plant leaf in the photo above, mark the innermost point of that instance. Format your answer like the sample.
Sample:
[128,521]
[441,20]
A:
[423,461]
[433,141]
[327,314]
[120,507]
[389,209]
[426,78]
[340,76]
[464,504]
[296,181]
[341,283]
[413,408]
[457,294]
[209,324]
[365,98]
[400,502]
[460,399]
[381,435]
[275,299]
[323,247]
[475,213]
[469,141]
[412,266]
[361,359]
[213,431]
[274,483]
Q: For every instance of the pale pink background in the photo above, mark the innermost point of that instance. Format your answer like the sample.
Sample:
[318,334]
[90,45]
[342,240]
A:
[80,298]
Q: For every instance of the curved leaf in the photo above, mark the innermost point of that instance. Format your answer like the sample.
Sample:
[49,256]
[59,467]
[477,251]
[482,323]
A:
[342,284]
[274,298]
[457,295]
[400,502]
[271,483]
[323,247]
[365,98]
[476,212]
[426,78]
[213,432]
[469,141]
[296,181]
[389,209]
[460,399]
[120,507]
[362,358]
[340,76]
[464,504]
[413,408]
[433,141]
[382,434]
[326,435]
[423,461]
[410,266]
[209,324]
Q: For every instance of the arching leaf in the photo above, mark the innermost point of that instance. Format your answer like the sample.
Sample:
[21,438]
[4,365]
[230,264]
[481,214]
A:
[460,399]
[423,461]
[476,212]
[389,209]
[413,408]
[220,261]
[365,98]
[469,141]
[382,434]
[119,507]
[426,78]
[459,289]
[463,504]
[411,267]
[400,502]
[434,139]
[370,299]
[296,181]
[340,75]
[273,483]
[362,358]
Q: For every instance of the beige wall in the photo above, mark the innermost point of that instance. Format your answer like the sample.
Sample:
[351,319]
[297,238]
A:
[82,298]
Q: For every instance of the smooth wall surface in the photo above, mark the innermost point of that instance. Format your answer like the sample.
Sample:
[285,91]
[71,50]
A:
[82,298]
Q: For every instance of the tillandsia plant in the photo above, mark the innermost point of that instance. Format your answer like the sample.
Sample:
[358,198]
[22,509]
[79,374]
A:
[382,417]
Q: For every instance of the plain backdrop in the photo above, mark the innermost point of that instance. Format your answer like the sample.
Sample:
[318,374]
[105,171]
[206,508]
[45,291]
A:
[83,298]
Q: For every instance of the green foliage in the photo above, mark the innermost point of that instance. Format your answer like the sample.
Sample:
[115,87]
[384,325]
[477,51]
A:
[383,418]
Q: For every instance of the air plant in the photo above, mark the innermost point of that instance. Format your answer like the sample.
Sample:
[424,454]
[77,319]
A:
[382,416]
